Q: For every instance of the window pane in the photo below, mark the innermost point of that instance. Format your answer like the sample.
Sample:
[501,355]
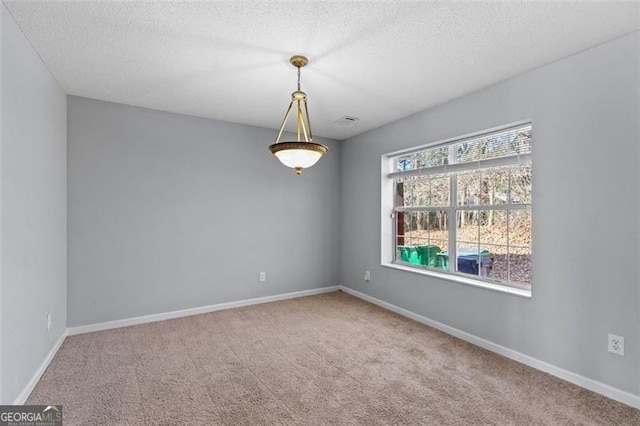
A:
[439,190]
[493,226]
[484,187]
[471,150]
[468,188]
[404,192]
[500,265]
[479,234]
[421,191]
[422,227]
[432,157]
[493,260]
[474,260]
[414,235]
[414,191]
[467,226]
[404,163]
[439,230]
[520,228]
[520,265]
[421,237]
[415,228]
[494,186]
[467,240]
[504,144]
[514,266]
[399,193]
[521,179]
[404,227]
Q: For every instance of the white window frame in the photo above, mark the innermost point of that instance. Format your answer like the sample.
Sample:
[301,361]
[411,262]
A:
[388,246]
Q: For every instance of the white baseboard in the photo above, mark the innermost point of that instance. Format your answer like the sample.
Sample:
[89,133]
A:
[22,398]
[195,311]
[592,385]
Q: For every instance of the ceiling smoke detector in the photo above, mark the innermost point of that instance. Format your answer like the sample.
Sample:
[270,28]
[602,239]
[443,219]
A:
[346,120]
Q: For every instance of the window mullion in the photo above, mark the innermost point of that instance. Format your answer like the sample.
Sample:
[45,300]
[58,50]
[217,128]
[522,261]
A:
[453,203]
[508,254]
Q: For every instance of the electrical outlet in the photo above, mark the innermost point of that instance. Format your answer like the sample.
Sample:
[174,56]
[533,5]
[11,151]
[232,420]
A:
[262,277]
[48,321]
[367,276]
[616,344]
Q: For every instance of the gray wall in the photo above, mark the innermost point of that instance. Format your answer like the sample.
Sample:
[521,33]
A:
[169,212]
[585,225]
[33,215]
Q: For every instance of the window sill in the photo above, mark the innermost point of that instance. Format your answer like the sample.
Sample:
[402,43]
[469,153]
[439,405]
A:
[461,280]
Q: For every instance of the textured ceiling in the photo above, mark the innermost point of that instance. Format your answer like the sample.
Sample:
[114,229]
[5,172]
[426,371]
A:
[378,61]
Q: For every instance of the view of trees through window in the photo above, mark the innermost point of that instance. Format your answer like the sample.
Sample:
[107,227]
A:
[473,193]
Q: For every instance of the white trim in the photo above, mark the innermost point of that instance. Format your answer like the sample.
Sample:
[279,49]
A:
[195,311]
[455,277]
[590,384]
[22,398]
[387,215]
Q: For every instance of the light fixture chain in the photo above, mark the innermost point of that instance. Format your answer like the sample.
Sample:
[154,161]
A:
[298,78]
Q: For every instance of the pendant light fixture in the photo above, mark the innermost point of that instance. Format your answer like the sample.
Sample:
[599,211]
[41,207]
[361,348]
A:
[299,154]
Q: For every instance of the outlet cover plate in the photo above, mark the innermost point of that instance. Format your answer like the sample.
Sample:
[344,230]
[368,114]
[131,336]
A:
[616,344]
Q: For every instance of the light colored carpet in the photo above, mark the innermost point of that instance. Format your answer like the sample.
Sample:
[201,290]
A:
[326,359]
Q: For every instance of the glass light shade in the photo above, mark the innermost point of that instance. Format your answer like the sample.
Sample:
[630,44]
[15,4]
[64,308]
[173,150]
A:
[298,158]
[298,155]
